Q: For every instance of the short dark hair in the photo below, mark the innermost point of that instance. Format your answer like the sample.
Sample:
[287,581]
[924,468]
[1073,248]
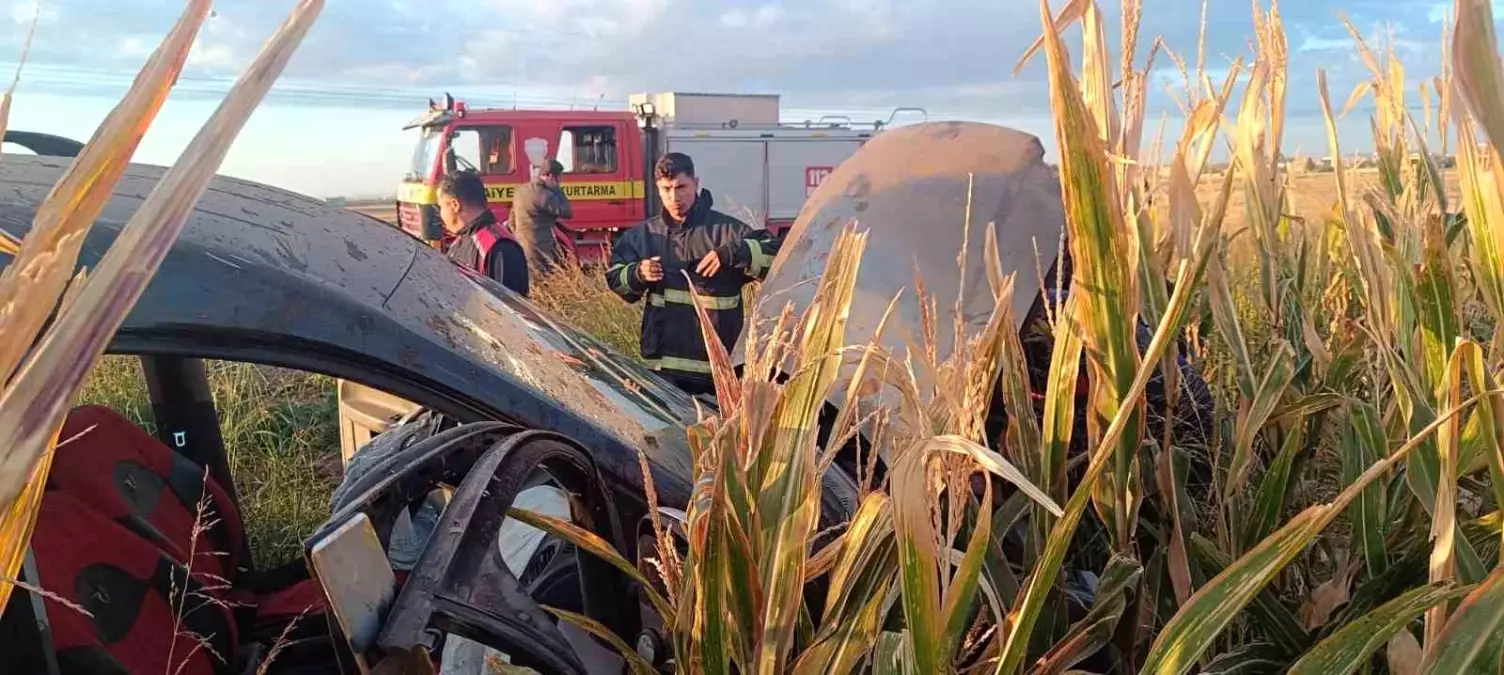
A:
[674,164]
[465,186]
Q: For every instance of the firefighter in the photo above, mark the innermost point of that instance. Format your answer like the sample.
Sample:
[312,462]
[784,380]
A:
[476,240]
[718,253]
[537,207]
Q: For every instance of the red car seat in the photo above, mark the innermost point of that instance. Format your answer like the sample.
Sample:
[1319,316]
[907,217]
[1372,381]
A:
[134,479]
[134,592]
[119,522]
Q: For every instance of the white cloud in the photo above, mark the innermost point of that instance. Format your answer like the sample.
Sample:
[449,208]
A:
[946,55]
[763,17]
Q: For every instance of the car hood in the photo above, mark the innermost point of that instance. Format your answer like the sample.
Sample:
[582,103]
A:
[271,276]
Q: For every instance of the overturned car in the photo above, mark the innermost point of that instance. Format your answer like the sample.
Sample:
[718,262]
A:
[459,399]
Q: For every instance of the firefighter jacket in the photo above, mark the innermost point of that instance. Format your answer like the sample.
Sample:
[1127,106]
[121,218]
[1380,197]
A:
[672,339]
[485,247]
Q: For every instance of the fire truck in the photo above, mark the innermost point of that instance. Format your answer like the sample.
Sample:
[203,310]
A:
[757,167]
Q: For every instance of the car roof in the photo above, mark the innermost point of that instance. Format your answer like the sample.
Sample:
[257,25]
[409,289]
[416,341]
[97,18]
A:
[265,275]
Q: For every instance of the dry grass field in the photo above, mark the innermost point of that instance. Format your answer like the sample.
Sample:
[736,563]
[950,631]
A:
[385,210]
[1312,195]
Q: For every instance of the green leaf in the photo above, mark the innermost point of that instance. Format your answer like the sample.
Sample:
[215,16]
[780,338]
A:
[1099,239]
[1225,315]
[1363,443]
[850,640]
[1023,433]
[1476,61]
[1258,658]
[1193,628]
[1436,307]
[999,572]
[1490,418]
[784,562]
[892,655]
[1047,568]
[715,649]
[735,587]
[1306,406]
[1269,504]
[1423,467]
[1096,629]
[918,563]
[1397,579]
[1274,620]
[1348,649]
[961,595]
[1469,641]
[869,552]
[1270,390]
[1060,403]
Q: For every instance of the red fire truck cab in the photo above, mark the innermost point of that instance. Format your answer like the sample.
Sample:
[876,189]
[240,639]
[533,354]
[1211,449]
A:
[759,169]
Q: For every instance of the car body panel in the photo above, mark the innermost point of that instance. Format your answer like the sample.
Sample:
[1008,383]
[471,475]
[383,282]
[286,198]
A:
[908,189]
[269,276]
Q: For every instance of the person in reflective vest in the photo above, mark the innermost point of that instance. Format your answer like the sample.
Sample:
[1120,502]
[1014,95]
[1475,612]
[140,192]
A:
[477,241]
[687,243]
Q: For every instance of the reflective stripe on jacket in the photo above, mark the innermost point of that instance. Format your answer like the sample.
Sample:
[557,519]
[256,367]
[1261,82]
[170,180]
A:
[671,338]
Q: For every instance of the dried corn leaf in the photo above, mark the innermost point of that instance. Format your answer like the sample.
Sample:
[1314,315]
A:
[33,405]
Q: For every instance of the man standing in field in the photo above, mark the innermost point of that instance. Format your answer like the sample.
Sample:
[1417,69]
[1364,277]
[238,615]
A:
[476,240]
[537,207]
[688,242]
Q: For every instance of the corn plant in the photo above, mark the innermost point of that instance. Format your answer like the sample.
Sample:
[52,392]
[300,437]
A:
[1354,520]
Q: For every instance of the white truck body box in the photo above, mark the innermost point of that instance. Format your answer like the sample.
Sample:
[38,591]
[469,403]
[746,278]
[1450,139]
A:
[693,109]
[764,176]
[758,169]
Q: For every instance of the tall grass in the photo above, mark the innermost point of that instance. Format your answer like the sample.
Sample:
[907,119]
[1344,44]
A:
[281,436]
[581,297]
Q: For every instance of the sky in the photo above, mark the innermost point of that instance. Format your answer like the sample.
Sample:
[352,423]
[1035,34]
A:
[332,126]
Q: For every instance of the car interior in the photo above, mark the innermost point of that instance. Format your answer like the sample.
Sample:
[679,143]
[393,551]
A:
[141,563]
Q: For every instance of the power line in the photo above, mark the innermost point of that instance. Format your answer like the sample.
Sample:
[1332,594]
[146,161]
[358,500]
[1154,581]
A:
[73,81]
[70,81]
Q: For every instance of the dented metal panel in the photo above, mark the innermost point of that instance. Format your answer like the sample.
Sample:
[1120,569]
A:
[570,370]
[907,188]
[269,276]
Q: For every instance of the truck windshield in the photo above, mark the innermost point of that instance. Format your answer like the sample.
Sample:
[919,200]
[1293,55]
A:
[425,153]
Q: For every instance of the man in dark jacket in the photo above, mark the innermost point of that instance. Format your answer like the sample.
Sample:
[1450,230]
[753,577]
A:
[476,241]
[537,207]
[717,253]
